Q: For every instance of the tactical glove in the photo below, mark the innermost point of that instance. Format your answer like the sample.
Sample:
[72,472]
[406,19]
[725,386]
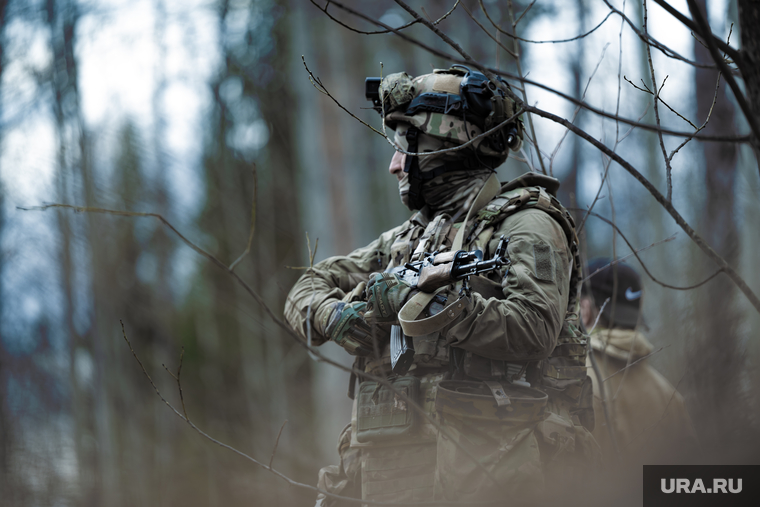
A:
[387,293]
[344,324]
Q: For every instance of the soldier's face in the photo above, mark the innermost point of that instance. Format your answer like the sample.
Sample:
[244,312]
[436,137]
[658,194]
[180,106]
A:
[397,165]
[397,169]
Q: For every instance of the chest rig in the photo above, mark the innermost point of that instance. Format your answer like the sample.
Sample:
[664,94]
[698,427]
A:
[563,374]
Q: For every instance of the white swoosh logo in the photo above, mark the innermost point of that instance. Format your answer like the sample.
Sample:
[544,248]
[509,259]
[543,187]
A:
[630,295]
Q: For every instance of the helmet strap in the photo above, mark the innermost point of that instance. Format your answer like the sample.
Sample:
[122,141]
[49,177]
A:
[412,167]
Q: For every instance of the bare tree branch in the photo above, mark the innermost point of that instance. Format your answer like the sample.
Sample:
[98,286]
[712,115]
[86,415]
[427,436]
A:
[656,93]
[449,57]
[578,108]
[502,46]
[635,253]
[524,92]
[515,37]
[324,9]
[646,89]
[634,362]
[649,40]
[701,243]
[706,35]
[618,260]
[709,115]
[711,45]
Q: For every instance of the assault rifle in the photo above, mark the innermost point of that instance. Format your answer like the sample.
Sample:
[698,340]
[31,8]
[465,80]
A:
[432,272]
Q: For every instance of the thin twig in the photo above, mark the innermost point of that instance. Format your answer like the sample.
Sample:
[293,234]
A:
[603,396]
[253,218]
[321,88]
[656,93]
[515,37]
[355,30]
[524,92]
[631,129]
[682,223]
[622,259]
[176,377]
[712,138]
[277,442]
[378,32]
[502,46]
[524,12]
[619,89]
[649,40]
[577,109]
[636,361]
[664,412]
[712,106]
[309,342]
[604,177]
[646,89]
[599,314]
[646,270]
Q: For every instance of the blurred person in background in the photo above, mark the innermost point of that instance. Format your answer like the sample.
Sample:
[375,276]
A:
[479,351]
[640,417]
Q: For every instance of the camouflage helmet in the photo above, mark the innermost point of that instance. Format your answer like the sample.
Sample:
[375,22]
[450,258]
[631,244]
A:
[449,107]
[453,105]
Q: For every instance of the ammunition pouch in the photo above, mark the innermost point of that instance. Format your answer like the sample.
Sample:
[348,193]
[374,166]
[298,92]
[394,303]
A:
[384,415]
[496,425]
[569,454]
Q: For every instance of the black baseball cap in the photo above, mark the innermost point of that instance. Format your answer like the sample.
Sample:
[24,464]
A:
[629,292]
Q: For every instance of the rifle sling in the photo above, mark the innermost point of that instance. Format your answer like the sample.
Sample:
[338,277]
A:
[414,307]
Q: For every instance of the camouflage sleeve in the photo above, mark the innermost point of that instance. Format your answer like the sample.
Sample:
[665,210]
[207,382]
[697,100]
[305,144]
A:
[526,323]
[331,279]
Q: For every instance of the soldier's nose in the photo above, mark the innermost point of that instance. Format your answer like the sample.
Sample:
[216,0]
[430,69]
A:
[397,164]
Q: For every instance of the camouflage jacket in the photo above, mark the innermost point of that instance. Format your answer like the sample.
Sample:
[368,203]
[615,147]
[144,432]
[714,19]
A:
[647,414]
[516,315]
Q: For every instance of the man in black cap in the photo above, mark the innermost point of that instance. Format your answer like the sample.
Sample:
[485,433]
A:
[641,418]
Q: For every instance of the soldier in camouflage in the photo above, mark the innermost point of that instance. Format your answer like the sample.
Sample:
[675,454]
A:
[499,364]
[646,421]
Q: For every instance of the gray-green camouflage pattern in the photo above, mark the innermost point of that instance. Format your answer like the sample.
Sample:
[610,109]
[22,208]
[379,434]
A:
[396,90]
[449,128]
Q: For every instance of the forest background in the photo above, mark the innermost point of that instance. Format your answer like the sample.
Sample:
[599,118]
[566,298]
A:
[202,112]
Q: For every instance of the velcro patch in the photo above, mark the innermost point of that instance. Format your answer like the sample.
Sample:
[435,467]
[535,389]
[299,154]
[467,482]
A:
[447,83]
[542,254]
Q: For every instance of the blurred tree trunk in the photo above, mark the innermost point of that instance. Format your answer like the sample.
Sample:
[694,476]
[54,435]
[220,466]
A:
[61,20]
[569,188]
[716,361]
[749,20]
[6,420]
[6,490]
[161,250]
